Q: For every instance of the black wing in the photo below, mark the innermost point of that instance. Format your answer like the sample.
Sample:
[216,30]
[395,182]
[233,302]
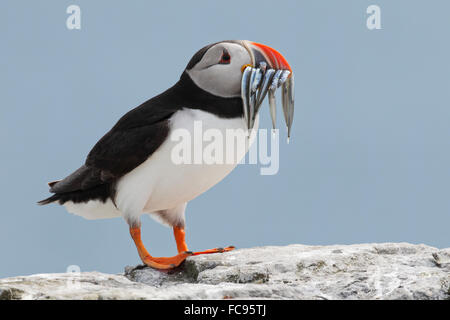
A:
[134,138]
[129,143]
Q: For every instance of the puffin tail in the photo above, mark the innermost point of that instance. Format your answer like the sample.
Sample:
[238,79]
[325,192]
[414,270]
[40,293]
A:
[51,199]
[85,193]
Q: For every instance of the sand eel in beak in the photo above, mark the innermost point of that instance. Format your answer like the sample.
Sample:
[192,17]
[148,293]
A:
[259,79]
[130,171]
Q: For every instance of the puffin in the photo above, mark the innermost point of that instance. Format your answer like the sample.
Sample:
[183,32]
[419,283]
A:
[130,171]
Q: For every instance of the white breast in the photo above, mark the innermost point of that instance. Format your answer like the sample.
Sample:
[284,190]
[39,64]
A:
[160,184]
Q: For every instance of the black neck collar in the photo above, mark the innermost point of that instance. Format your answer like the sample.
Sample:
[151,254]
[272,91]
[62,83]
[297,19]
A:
[186,94]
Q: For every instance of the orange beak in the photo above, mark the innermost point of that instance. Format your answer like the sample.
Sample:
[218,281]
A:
[272,56]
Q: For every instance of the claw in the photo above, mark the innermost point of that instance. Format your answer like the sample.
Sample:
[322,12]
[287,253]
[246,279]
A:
[216,250]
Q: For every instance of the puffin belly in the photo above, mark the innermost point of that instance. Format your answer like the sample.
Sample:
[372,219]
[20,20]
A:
[160,184]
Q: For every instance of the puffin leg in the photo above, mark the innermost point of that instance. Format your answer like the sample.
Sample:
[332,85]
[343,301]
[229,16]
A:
[154,262]
[179,234]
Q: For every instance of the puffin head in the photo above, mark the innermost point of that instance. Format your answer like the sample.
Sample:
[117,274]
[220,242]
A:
[246,69]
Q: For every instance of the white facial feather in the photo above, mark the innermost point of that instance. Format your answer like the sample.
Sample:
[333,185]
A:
[222,80]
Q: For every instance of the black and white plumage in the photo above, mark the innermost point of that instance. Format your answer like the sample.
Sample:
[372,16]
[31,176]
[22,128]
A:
[129,171]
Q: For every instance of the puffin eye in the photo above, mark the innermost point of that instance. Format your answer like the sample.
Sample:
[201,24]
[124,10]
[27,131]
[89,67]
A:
[226,59]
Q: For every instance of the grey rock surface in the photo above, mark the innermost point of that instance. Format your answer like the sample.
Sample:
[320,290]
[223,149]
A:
[363,271]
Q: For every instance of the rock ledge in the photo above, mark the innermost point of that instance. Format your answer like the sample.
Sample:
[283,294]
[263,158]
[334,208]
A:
[363,271]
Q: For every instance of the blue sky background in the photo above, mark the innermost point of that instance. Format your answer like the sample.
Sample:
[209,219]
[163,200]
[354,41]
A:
[368,161]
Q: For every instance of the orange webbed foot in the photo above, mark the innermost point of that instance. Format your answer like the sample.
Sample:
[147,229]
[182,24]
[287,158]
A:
[179,234]
[215,250]
[164,263]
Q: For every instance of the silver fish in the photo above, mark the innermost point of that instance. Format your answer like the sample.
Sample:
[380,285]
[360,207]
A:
[273,107]
[257,83]
[285,103]
[245,88]
[267,79]
[251,100]
[275,79]
[263,67]
[291,98]
[257,80]
[283,77]
[288,103]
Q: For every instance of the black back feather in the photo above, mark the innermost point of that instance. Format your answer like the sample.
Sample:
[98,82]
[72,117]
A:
[134,138]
